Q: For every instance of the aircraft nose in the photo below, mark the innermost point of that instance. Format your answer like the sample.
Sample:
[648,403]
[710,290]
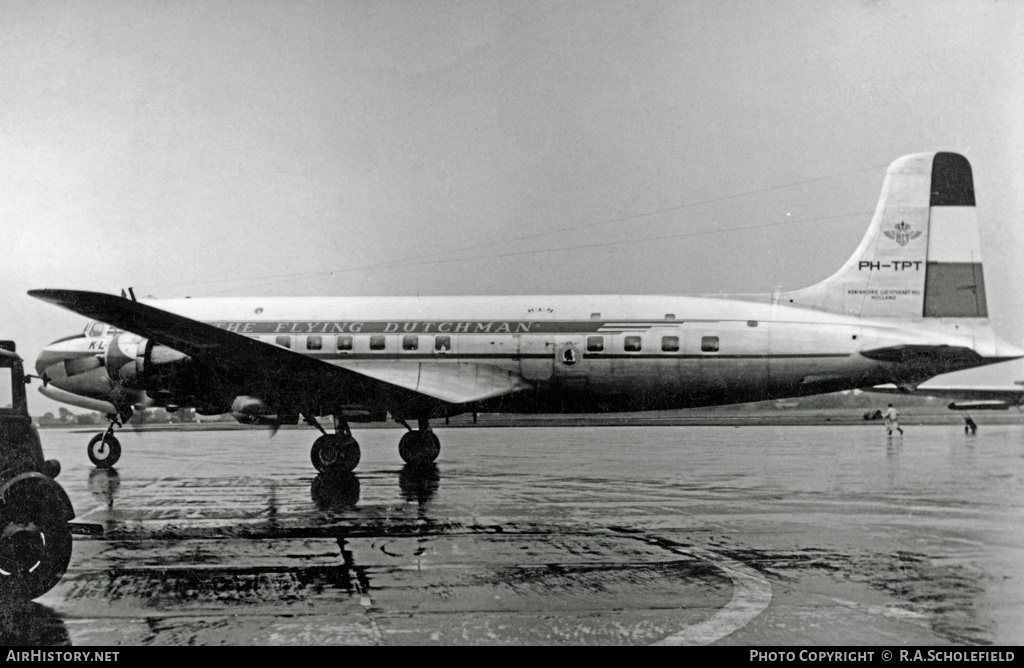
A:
[52,362]
[47,359]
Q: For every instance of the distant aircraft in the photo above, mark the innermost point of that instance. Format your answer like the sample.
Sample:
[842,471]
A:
[970,397]
[908,305]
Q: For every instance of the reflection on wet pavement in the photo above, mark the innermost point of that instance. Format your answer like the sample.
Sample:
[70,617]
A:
[104,483]
[335,491]
[603,536]
[419,482]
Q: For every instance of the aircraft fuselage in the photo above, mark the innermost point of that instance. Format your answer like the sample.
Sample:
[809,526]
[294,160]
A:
[577,353]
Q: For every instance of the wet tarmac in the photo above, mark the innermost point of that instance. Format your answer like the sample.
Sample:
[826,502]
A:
[758,535]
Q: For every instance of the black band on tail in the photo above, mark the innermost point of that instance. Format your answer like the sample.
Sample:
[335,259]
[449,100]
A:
[952,181]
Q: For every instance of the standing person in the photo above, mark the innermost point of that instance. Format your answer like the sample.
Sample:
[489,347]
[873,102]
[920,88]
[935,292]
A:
[969,425]
[891,416]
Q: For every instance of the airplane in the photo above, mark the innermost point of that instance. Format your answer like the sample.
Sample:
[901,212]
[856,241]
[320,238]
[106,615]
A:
[909,304]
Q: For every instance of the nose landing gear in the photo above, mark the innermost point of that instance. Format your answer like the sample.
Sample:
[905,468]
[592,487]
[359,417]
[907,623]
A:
[104,449]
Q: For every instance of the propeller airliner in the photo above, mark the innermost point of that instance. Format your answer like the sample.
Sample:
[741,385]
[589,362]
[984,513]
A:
[908,305]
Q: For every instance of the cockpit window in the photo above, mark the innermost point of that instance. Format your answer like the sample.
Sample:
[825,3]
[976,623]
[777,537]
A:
[96,329]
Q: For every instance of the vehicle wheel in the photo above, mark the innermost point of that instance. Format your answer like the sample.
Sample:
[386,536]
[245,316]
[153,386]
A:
[35,543]
[104,450]
[334,452]
[419,447]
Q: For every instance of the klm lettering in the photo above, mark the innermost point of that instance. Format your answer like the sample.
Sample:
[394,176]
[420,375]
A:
[898,265]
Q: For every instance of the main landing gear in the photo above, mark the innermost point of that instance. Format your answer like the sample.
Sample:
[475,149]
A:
[104,449]
[337,452]
[419,446]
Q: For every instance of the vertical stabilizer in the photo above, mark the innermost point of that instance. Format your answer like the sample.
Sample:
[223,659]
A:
[921,256]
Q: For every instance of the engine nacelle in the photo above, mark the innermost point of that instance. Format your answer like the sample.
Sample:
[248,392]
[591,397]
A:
[138,363]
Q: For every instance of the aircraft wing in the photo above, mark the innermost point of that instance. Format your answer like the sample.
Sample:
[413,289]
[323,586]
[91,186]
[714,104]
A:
[972,397]
[270,371]
[454,382]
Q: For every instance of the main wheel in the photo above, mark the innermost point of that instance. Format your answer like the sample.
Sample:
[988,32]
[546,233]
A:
[35,541]
[104,450]
[419,447]
[335,452]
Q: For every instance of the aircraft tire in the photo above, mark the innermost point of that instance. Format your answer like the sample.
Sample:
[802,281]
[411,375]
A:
[104,451]
[419,447]
[35,540]
[335,452]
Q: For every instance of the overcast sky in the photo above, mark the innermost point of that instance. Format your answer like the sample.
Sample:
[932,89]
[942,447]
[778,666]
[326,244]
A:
[353,148]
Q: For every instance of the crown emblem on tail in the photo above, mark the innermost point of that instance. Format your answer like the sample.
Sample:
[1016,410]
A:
[903,233]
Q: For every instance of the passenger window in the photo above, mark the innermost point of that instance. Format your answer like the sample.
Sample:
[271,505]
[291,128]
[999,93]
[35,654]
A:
[344,343]
[314,342]
[595,344]
[709,344]
[670,316]
[284,341]
[670,344]
[442,344]
[632,344]
[410,342]
[377,342]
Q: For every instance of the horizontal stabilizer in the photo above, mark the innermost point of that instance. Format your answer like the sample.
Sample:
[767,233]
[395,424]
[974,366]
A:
[908,354]
[978,406]
[1009,395]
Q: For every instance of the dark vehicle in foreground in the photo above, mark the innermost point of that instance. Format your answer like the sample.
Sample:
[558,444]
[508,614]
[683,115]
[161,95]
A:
[35,534]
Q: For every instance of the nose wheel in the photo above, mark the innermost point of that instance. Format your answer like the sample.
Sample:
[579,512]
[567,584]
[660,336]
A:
[104,450]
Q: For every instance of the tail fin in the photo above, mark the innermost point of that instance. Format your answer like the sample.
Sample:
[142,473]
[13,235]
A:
[921,256]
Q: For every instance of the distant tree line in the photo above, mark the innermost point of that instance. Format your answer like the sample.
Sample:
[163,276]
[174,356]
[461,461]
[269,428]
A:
[836,400]
[65,418]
